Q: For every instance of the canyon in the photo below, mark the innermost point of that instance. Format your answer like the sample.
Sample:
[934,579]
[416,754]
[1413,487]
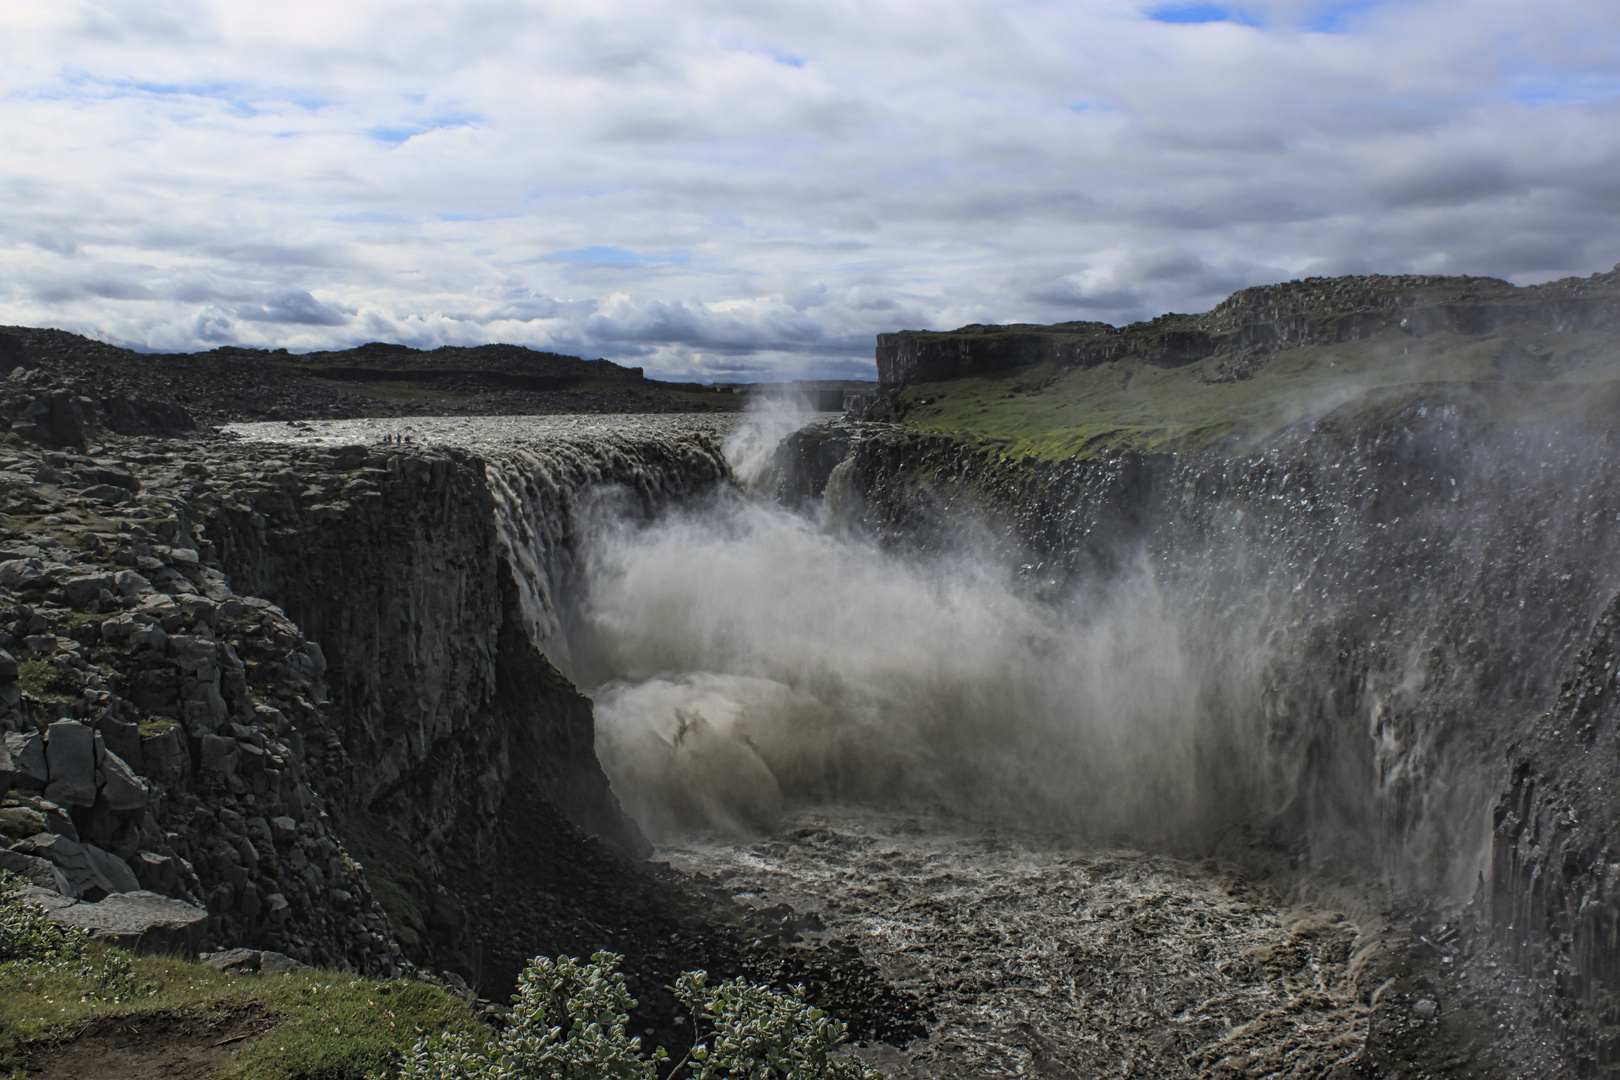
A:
[1229,695]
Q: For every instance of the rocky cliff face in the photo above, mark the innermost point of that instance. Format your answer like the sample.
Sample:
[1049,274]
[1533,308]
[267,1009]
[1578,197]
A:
[307,689]
[1255,322]
[1378,626]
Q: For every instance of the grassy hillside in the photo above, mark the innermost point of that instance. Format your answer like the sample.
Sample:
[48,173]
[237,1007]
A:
[1524,373]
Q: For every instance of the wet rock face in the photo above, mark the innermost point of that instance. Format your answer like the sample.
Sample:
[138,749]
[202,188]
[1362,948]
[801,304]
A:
[1408,604]
[1553,896]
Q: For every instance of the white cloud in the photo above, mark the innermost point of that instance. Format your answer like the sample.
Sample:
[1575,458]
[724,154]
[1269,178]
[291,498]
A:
[718,189]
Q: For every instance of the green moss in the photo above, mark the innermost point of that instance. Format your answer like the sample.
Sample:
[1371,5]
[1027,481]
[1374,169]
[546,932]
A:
[21,822]
[1526,374]
[48,682]
[156,725]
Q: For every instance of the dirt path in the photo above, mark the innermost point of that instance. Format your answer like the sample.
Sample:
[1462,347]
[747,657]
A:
[1041,960]
[149,1046]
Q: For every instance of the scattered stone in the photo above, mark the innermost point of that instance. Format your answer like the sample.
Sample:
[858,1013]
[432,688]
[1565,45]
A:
[252,962]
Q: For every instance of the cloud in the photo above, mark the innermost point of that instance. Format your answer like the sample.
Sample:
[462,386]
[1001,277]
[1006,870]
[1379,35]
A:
[710,188]
[297,308]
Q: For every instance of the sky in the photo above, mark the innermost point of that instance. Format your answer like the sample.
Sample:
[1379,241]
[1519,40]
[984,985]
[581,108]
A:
[736,190]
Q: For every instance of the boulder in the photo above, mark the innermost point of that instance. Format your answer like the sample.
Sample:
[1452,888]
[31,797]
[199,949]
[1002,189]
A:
[217,758]
[8,667]
[117,782]
[70,754]
[41,872]
[124,739]
[81,589]
[27,754]
[140,921]
[158,873]
[252,962]
[90,871]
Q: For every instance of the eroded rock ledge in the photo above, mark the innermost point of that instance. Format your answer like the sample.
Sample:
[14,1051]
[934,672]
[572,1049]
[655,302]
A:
[295,685]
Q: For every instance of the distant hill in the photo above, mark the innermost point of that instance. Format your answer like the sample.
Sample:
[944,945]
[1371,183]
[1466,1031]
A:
[232,384]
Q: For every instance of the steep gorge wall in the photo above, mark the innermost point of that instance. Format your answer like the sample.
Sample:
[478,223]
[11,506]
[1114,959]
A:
[1403,641]
[308,690]
[427,576]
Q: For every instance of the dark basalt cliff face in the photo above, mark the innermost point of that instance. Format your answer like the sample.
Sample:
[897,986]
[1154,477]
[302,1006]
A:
[1404,645]
[1256,321]
[316,671]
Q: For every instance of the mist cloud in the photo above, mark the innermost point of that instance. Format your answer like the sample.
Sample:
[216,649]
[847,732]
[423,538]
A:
[711,190]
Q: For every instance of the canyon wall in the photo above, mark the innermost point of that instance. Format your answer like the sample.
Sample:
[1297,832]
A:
[354,752]
[1402,641]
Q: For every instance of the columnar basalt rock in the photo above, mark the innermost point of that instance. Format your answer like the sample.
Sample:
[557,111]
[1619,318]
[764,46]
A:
[269,679]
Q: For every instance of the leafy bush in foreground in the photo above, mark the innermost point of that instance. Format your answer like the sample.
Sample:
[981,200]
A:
[569,1024]
[30,940]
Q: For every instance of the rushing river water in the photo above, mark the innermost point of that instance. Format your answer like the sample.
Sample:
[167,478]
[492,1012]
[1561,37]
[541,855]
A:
[1039,958]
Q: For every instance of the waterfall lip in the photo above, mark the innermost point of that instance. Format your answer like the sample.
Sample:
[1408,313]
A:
[480,432]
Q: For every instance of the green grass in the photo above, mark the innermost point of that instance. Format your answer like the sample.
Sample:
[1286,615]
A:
[48,682]
[327,1024]
[1527,373]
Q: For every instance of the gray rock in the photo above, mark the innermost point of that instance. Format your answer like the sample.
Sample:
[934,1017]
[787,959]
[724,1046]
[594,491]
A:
[90,871]
[41,872]
[158,873]
[81,589]
[22,573]
[28,760]
[117,782]
[217,758]
[150,635]
[50,901]
[123,739]
[8,667]
[105,493]
[118,628]
[163,757]
[27,752]
[139,920]
[70,753]
[132,584]
[252,962]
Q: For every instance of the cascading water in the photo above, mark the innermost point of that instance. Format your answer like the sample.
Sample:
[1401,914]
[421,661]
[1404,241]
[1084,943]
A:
[1308,658]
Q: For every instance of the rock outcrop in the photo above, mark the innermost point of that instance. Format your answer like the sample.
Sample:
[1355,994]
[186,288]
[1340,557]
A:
[298,685]
[1252,323]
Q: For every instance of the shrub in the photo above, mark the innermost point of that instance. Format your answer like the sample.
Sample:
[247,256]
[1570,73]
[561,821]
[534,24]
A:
[569,1020]
[28,940]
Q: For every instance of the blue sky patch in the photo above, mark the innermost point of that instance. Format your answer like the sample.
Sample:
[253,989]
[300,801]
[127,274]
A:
[396,134]
[1201,13]
[598,255]
[1338,17]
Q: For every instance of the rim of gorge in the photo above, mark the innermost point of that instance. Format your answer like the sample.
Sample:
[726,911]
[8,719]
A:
[1226,695]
